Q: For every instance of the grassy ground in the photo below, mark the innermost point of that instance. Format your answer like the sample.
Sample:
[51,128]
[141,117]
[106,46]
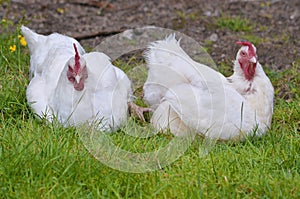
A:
[48,161]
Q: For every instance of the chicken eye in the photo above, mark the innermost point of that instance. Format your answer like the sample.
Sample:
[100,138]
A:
[71,79]
[71,76]
[243,53]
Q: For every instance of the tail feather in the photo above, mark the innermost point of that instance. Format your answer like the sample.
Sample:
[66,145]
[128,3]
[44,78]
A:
[168,66]
[164,50]
[32,38]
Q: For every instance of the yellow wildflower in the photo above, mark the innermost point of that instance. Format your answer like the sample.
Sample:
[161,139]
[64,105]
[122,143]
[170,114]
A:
[22,40]
[60,10]
[12,48]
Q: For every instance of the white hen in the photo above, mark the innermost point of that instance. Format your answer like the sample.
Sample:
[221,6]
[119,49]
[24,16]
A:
[186,94]
[73,86]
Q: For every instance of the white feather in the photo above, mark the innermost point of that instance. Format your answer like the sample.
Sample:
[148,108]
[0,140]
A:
[198,97]
[104,97]
[40,45]
[50,93]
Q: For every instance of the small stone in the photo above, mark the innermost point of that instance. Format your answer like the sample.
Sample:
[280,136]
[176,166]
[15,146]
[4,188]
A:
[295,15]
[213,37]
[208,13]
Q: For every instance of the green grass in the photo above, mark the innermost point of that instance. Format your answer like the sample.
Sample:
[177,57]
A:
[47,161]
[235,24]
[183,17]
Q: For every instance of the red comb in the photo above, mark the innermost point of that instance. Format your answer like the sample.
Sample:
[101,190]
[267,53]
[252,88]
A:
[77,63]
[244,43]
[250,46]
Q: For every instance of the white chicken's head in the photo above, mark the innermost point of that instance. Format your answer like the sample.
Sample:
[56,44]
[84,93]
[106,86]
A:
[77,71]
[247,59]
